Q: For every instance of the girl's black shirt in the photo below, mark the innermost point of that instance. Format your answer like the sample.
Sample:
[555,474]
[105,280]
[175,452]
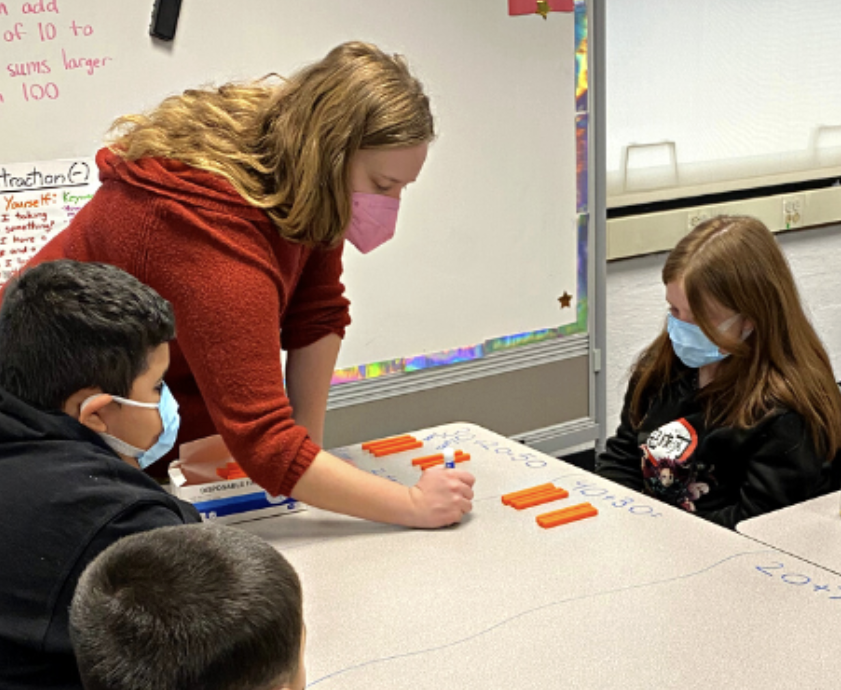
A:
[723,474]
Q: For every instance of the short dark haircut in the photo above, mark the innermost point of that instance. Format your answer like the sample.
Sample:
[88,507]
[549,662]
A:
[67,325]
[193,606]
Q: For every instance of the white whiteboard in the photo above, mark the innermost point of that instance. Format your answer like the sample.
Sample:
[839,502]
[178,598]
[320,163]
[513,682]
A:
[486,240]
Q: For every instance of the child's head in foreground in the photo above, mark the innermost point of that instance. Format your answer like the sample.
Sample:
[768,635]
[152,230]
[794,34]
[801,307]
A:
[194,606]
[75,334]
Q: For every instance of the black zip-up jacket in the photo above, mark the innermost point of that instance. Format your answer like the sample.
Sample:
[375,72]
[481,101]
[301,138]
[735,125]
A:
[723,474]
[64,496]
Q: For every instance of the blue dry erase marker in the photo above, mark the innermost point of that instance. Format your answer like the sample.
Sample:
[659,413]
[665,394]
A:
[449,458]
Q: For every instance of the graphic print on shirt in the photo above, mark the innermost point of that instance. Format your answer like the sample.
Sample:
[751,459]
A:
[668,467]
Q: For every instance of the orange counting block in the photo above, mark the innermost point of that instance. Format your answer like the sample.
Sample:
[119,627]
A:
[392,440]
[386,441]
[429,458]
[539,499]
[426,459]
[550,488]
[507,498]
[566,515]
[231,471]
[380,447]
[464,457]
[391,450]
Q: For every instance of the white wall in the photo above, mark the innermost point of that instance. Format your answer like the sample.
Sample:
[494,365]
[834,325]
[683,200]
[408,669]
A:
[744,89]
[636,303]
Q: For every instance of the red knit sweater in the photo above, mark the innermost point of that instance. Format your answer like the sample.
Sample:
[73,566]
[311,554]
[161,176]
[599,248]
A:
[234,284]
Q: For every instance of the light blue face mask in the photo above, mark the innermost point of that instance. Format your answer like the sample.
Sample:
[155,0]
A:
[692,347]
[168,409]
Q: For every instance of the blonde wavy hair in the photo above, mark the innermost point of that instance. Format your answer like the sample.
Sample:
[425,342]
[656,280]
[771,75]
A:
[286,147]
[736,262]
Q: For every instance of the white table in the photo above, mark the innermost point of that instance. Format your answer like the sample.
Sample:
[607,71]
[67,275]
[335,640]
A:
[641,596]
[810,530]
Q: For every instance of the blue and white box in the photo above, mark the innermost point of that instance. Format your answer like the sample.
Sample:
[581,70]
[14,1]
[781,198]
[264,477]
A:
[193,478]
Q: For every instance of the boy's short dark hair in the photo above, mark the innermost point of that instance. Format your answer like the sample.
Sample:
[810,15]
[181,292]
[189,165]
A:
[194,606]
[67,325]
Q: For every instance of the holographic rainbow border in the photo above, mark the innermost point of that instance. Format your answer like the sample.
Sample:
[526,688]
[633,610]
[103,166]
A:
[581,76]
[581,305]
[508,342]
[444,358]
[408,365]
[582,127]
[367,371]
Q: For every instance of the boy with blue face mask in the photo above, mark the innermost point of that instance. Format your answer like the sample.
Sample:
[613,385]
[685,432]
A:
[83,351]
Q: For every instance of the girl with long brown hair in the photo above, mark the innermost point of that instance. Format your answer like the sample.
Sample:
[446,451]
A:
[733,410]
[234,203]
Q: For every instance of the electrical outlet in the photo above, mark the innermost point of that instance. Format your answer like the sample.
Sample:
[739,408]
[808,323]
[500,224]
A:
[696,216]
[793,211]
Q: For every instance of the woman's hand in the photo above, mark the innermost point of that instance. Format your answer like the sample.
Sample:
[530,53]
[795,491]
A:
[442,497]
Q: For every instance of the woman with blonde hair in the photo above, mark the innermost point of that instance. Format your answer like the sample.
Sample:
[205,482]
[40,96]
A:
[233,203]
[733,410]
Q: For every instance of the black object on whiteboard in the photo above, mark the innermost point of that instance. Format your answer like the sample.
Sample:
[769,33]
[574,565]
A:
[165,19]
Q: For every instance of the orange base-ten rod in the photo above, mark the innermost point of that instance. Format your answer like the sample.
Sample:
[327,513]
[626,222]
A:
[566,515]
[432,458]
[231,470]
[368,445]
[533,494]
[507,498]
[391,450]
[464,457]
[538,499]
[384,447]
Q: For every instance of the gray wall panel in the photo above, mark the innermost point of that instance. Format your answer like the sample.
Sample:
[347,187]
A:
[510,403]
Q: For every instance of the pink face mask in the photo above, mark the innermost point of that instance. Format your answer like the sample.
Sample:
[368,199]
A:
[372,221]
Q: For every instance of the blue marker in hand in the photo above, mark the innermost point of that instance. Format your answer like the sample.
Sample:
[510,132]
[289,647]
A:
[449,458]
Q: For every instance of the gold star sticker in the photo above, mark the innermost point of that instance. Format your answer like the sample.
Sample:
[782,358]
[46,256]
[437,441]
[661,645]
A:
[542,8]
[565,300]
